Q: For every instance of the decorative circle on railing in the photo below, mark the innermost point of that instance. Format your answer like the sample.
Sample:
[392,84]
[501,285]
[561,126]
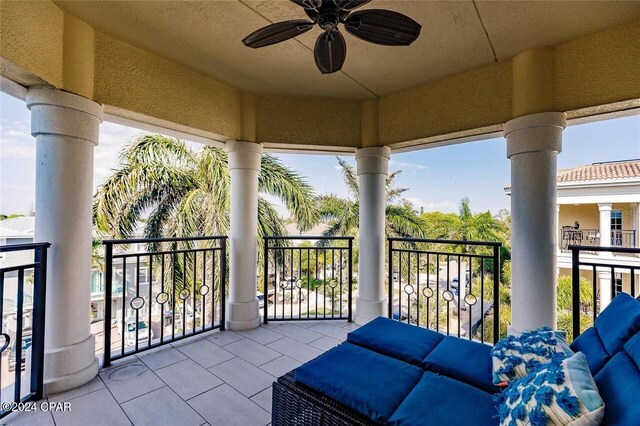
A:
[136,303]
[298,283]
[7,341]
[470,299]
[408,289]
[447,295]
[204,290]
[333,283]
[428,292]
[284,284]
[184,294]
[162,298]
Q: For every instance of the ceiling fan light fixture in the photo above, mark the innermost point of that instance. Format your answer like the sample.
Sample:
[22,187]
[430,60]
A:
[379,26]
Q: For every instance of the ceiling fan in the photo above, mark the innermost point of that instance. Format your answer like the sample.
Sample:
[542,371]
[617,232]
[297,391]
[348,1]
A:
[377,26]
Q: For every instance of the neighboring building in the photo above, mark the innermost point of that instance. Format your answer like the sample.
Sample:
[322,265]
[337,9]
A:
[599,205]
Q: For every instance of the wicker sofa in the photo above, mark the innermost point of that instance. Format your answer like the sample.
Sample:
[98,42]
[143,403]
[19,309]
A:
[392,373]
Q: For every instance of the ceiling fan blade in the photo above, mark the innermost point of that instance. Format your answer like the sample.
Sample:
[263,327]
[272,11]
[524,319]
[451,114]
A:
[382,26]
[275,33]
[350,4]
[330,52]
[308,4]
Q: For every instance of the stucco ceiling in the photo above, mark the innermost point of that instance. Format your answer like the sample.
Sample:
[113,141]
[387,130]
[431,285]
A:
[457,36]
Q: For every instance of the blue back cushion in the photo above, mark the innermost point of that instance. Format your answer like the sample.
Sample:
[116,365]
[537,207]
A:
[396,339]
[440,400]
[619,385]
[618,322]
[590,344]
[463,360]
[371,384]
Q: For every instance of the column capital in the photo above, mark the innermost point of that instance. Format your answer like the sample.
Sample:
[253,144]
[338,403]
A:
[56,112]
[535,133]
[605,206]
[244,155]
[373,160]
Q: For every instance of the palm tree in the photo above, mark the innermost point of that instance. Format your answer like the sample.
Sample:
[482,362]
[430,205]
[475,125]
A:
[185,192]
[343,214]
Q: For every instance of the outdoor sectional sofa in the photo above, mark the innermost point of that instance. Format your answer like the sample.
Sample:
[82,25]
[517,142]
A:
[392,373]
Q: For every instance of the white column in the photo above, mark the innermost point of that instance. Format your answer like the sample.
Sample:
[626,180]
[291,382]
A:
[604,281]
[605,225]
[605,241]
[66,130]
[533,144]
[244,167]
[373,166]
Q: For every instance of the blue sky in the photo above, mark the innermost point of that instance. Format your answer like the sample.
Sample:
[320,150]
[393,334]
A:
[437,178]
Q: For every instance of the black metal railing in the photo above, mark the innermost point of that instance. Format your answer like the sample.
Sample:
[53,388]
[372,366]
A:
[583,237]
[307,277]
[623,238]
[22,310]
[591,238]
[620,271]
[444,285]
[173,289]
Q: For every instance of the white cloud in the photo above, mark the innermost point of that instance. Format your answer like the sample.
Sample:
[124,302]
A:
[407,167]
[441,206]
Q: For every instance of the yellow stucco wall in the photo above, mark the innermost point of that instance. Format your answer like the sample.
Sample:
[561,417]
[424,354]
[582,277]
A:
[308,121]
[589,72]
[598,69]
[474,99]
[588,215]
[133,79]
[31,38]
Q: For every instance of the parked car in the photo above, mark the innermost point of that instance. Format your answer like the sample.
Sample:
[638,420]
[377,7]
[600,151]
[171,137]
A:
[143,331]
[26,344]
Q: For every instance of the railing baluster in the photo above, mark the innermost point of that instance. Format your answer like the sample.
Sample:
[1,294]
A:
[18,343]
[108,297]
[180,274]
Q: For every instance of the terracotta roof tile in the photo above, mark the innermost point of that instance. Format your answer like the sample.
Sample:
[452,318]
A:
[601,171]
[629,169]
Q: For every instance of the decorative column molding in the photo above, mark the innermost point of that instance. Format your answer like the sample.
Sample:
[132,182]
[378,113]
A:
[66,128]
[605,225]
[244,167]
[533,144]
[372,168]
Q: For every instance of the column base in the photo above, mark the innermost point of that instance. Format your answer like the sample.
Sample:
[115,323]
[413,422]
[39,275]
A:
[242,315]
[70,366]
[367,310]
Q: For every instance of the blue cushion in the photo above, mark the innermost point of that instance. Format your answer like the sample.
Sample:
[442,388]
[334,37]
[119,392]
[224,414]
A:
[560,392]
[439,400]
[396,339]
[463,360]
[632,348]
[365,381]
[618,322]
[618,383]
[590,344]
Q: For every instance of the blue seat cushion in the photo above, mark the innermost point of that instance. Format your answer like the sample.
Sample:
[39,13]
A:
[619,382]
[618,322]
[463,360]
[365,381]
[396,339]
[590,344]
[440,400]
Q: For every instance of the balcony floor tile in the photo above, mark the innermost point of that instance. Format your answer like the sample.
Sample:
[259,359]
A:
[217,378]
[161,407]
[252,352]
[188,379]
[95,408]
[243,377]
[226,406]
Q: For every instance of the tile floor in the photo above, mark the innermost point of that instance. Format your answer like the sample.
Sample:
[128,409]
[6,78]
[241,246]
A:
[216,378]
